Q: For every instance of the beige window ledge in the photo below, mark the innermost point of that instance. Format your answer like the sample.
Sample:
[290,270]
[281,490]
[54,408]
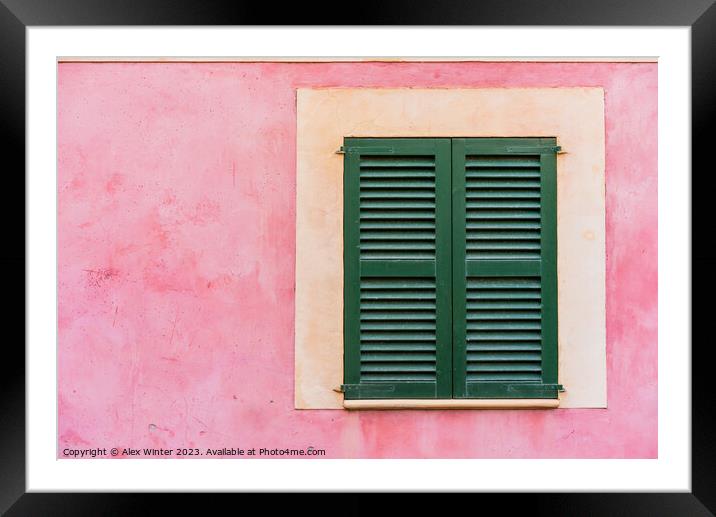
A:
[452,404]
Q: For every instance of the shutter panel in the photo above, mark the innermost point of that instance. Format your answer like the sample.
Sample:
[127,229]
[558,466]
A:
[397,240]
[504,268]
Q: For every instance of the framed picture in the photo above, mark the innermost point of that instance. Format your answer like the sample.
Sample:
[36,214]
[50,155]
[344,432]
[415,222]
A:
[440,249]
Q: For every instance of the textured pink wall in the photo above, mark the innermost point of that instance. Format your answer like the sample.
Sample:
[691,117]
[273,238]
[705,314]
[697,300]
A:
[176,223]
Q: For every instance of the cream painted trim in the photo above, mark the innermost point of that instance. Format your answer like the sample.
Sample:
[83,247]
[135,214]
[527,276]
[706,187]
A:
[574,115]
[452,404]
[95,59]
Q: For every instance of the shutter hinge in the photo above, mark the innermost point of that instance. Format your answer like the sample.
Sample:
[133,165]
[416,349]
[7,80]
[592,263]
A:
[538,150]
[535,387]
[381,150]
[340,389]
[368,390]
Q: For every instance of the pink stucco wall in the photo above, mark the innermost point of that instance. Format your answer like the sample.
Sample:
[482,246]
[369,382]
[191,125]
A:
[176,249]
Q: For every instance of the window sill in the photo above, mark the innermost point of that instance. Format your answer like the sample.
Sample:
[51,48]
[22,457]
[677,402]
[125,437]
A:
[452,404]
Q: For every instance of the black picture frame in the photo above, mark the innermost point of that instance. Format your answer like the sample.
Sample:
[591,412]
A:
[17,15]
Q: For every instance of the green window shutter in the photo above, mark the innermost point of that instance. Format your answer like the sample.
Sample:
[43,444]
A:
[504,268]
[397,261]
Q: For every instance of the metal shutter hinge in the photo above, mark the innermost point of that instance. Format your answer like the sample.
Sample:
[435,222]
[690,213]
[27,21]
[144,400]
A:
[382,150]
[538,150]
[368,390]
[535,387]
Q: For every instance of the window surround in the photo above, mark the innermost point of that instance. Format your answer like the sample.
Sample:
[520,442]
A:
[325,116]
